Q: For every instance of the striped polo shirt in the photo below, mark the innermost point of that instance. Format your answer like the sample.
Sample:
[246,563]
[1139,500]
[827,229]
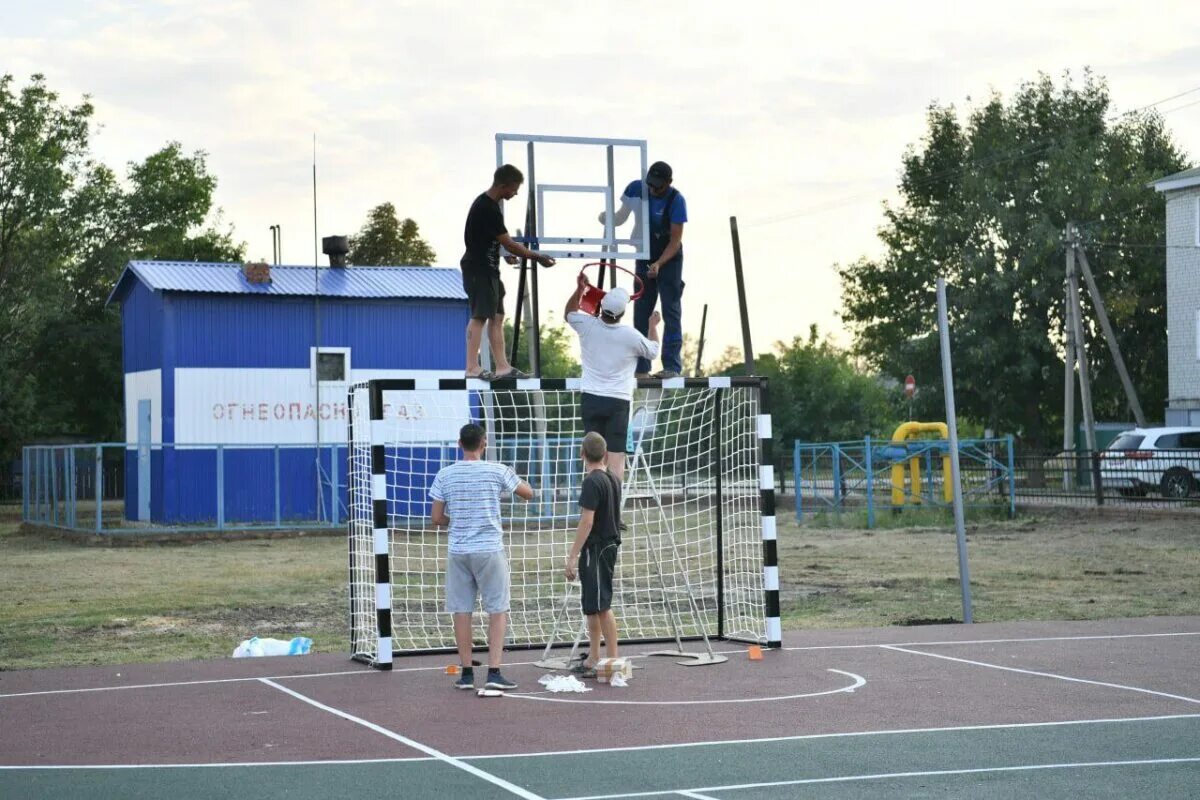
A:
[471,491]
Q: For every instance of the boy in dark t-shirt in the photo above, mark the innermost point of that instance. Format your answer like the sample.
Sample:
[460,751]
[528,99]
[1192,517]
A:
[483,236]
[593,554]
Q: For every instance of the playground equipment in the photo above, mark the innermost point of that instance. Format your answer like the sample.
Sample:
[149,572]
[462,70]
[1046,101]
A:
[903,434]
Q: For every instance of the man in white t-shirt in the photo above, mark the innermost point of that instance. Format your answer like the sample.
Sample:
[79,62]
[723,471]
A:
[466,496]
[610,353]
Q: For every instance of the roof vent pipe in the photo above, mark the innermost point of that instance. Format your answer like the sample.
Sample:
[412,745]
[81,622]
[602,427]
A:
[336,247]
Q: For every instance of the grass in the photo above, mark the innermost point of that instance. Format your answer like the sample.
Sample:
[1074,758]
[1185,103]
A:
[63,603]
[1064,565]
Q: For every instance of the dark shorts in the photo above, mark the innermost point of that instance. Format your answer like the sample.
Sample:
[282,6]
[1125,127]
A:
[485,293]
[608,416]
[597,562]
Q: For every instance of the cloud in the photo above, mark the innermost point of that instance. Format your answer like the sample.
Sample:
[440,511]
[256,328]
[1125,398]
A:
[766,110]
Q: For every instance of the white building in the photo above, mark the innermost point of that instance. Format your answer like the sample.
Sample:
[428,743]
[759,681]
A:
[1182,191]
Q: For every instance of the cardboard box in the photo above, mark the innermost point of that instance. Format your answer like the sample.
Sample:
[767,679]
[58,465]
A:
[607,667]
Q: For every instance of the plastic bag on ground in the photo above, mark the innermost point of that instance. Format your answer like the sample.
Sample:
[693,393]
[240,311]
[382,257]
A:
[563,683]
[253,648]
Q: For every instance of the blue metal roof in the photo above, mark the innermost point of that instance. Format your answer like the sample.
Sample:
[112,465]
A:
[426,283]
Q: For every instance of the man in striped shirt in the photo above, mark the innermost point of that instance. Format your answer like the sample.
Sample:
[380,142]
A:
[466,496]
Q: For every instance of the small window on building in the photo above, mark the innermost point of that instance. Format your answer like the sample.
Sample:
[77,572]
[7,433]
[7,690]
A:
[330,365]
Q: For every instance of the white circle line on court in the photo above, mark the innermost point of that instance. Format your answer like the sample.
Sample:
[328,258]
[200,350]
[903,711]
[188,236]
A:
[368,671]
[859,681]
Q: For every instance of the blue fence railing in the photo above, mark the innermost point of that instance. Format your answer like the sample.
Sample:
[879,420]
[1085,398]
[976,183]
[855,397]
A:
[143,488]
[882,475]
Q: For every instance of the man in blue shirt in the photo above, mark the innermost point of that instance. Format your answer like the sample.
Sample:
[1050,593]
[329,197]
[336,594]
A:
[662,274]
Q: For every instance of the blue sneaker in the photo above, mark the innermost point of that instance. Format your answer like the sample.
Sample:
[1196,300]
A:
[466,680]
[497,681]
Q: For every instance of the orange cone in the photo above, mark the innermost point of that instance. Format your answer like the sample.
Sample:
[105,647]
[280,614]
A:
[453,669]
[754,653]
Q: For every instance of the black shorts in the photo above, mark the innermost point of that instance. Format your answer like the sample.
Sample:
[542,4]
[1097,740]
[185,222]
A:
[485,293]
[597,562]
[608,416]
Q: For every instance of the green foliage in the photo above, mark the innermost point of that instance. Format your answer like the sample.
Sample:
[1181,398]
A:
[67,228]
[817,393]
[558,360]
[386,240]
[985,201]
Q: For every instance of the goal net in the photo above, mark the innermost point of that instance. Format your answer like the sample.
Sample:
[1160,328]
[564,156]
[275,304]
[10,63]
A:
[698,556]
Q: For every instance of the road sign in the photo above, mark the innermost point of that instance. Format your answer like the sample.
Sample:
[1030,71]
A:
[910,386]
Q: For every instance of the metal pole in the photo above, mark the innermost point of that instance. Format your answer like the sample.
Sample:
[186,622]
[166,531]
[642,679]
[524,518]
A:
[25,484]
[747,348]
[700,345]
[1110,337]
[960,533]
[1012,480]
[99,488]
[317,332]
[535,335]
[870,484]
[220,487]
[278,516]
[1069,372]
[1085,383]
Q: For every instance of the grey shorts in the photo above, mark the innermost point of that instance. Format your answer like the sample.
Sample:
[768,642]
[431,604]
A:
[471,575]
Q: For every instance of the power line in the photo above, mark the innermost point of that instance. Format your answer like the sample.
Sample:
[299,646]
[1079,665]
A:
[1004,156]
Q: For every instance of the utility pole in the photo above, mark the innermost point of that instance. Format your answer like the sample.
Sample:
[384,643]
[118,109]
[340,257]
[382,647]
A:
[1113,347]
[1075,314]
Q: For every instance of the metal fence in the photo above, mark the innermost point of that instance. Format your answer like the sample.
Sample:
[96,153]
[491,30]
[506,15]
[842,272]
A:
[900,477]
[124,488]
[1130,479]
[873,476]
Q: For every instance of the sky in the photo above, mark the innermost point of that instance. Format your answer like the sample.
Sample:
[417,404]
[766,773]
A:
[791,116]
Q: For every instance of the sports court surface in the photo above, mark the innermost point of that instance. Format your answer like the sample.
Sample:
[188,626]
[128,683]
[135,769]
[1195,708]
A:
[1014,710]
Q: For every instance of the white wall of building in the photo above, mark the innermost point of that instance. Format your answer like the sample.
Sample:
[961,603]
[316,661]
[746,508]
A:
[280,406]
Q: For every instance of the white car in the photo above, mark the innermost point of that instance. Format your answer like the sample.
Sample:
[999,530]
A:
[1163,460]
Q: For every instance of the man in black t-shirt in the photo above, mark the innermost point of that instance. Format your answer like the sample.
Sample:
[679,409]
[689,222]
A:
[593,555]
[484,235]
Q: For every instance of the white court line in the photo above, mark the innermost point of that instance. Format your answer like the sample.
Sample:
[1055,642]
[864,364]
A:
[1044,674]
[328,762]
[370,671]
[892,775]
[631,748]
[696,795]
[859,681]
[842,735]
[512,788]
[991,641]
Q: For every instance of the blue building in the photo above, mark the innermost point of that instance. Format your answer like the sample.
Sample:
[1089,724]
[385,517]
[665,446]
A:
[211,359]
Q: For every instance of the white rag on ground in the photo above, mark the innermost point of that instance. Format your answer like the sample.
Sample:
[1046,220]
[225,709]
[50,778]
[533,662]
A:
[618,681]
[563,683]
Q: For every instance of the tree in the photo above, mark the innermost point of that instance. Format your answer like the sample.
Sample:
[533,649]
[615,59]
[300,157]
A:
[984,203]
[818,393]
[558,361]
[386,240]
[67,228]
